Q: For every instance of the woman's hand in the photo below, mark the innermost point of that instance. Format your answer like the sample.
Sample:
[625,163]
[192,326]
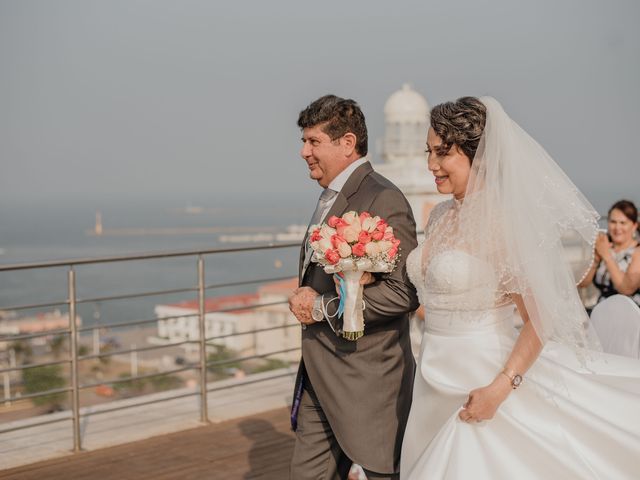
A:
[603,246]
[366,279]
[483,403]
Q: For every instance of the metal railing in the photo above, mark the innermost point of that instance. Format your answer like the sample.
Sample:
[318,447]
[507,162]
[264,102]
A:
[73,331]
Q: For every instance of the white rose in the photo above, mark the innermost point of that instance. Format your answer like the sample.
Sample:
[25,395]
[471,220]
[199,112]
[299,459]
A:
[324,244]
[384,245]
[351,218]
[373,249]
[326,231]
[344,249]
[351,234]
[369,225]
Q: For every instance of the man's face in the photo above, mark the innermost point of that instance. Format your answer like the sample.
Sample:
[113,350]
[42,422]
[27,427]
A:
[325,158]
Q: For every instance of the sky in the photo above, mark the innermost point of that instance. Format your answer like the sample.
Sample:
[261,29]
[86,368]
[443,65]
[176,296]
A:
[197,100]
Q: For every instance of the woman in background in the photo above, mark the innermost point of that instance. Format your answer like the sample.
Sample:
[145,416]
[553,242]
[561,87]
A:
[617,265]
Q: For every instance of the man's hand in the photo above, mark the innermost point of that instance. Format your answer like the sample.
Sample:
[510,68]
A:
[301,304]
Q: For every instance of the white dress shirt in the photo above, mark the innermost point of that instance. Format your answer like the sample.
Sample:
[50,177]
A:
[338,182]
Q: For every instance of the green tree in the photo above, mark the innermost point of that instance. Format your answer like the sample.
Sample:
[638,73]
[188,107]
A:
[57,345]
[23,351]
[270,364]
[42,379]
[165,382]
[222,354]
[129,388]
[105,360]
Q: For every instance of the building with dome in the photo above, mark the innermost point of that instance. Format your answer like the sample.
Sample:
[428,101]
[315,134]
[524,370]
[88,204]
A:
[402,150]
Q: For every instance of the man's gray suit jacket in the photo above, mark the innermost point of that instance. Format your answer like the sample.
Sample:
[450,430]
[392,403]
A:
[365,387]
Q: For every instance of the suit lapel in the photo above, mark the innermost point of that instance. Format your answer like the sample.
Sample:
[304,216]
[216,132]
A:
[338,208]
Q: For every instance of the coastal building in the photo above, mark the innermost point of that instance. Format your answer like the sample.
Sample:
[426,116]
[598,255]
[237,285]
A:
[229,316]
[12,324]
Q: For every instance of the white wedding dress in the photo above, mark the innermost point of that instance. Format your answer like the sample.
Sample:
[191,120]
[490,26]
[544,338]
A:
[568,420]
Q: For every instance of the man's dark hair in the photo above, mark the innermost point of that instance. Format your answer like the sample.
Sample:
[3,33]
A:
[336,116]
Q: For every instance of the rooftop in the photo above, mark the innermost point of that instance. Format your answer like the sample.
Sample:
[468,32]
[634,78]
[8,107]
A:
[256,446]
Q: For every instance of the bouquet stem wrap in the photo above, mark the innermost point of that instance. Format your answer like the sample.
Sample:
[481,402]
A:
[353,319]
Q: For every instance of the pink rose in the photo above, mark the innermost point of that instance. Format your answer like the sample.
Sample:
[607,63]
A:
[381,226]
[377,235]
[335,222]
[393,251]
[364,237]
[388,234]
[315,235]
[364,215]
[337,240]
[332,256]
[359,250]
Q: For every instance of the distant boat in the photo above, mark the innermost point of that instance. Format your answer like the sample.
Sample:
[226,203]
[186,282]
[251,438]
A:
[293,233]
[189,210]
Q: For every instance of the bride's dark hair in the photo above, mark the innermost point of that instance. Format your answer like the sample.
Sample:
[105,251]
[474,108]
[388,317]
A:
[459,123]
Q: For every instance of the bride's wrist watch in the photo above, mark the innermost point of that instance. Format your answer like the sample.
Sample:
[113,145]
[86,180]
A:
[514,378]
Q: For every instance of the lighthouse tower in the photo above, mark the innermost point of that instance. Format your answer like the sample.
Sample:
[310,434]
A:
[406,115]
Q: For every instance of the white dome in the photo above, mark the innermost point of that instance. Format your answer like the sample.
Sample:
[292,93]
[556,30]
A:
[406,105]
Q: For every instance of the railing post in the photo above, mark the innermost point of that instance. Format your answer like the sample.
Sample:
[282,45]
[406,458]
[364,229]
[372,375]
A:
[75,393]
[204,411]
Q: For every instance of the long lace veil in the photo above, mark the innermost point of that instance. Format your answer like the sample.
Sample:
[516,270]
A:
[523,216]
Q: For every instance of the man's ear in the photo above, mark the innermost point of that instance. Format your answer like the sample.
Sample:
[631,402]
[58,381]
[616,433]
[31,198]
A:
[348,142]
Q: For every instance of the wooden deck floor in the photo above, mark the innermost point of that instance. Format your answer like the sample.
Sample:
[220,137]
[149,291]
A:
[254,447]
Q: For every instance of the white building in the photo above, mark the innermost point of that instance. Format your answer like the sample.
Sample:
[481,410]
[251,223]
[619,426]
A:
[234,314]
[11,324]
[406,115]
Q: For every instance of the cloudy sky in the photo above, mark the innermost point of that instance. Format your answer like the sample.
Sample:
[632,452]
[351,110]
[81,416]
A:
[196,99]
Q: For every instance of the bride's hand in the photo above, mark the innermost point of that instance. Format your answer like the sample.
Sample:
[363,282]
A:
[483,403]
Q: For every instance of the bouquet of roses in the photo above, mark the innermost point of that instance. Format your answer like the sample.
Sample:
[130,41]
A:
[349,246]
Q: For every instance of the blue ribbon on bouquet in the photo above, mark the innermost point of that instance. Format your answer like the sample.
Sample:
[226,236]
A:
[342,293]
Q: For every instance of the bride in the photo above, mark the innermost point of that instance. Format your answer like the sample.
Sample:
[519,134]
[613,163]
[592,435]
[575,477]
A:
[491,401]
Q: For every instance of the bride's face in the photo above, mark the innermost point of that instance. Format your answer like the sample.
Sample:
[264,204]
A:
[451,170]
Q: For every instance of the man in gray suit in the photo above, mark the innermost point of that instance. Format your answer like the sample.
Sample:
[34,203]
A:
[352,398]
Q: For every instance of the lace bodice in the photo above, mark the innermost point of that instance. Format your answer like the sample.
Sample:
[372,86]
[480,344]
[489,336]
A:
[451,279]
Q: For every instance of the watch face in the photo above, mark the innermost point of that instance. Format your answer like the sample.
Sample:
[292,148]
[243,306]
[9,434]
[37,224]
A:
[517,380]
[317,315]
